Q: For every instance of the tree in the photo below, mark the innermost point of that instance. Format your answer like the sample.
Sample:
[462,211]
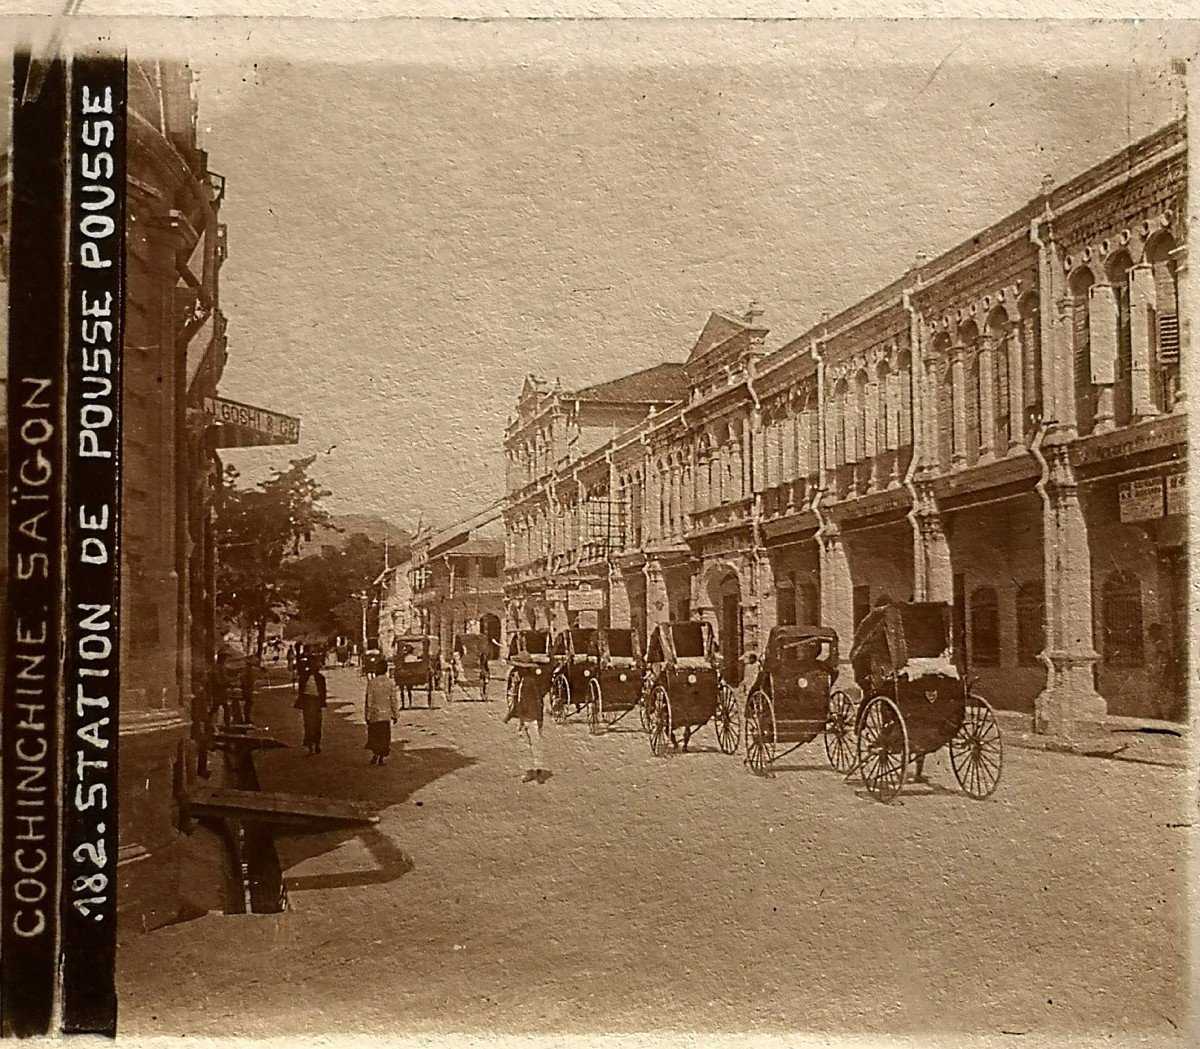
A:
[258,530]
[325,586]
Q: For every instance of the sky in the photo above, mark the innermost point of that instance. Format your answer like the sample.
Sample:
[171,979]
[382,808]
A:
[424,213]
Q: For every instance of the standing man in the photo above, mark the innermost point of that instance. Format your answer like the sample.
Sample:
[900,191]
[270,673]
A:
[249,676]
[311,702]
[483,674]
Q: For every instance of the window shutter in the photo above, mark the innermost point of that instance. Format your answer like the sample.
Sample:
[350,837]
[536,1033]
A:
[1168,338]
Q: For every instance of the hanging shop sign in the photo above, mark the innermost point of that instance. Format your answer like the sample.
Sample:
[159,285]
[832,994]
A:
[1140,500]
[245,426]
[556,596]
[585,600]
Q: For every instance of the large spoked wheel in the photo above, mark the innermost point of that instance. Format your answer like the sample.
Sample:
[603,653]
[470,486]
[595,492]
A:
[882,748]
[595,708]
[560,696]
[512,695]
[728,719]
[976,751]
[841,745]
[760,732]
[660,721]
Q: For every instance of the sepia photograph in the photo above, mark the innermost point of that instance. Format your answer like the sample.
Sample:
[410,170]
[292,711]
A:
[673,528]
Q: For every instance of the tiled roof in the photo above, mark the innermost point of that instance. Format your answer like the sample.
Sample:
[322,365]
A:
[663,382]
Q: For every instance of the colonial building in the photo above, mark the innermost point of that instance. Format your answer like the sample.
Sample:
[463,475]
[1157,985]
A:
[451,585]
[1001,428]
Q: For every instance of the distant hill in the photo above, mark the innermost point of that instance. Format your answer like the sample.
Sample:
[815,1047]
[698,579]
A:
[370,525]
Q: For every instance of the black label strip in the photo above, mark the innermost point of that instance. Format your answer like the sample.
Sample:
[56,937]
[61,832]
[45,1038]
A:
[30,725]
[91,673]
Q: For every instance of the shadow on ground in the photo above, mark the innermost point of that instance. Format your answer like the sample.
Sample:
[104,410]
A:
[341,771]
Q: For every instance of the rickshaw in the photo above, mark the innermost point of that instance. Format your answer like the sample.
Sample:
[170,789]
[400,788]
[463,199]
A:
[685,689]
[576,658]
[915,701]
[615,681]
[472,648]
[792,700]
[529,674]
[414,663]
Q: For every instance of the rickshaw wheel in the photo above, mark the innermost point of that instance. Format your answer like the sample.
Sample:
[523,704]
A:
[560,696]
[976,751]
[840,742]
[729,720]
[660,721]
[760,732]
[883,748]
[595,708]
[512,695]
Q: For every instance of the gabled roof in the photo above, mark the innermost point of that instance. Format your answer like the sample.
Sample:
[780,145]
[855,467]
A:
[660,384]
[717,330]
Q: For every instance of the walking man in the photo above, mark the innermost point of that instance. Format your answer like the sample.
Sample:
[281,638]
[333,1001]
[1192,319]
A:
[381,710]
[528,712]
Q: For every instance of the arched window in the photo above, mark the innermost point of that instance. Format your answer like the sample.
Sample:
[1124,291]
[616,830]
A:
[1085,393]
[1031,626]
[1031,363]
[1121,620]
[985,628]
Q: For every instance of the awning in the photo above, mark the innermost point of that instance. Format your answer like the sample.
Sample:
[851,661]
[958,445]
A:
[299,811]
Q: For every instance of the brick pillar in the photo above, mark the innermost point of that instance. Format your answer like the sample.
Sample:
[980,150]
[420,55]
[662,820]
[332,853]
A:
[658,606]
[837,596]
[618,600]
[1069,701]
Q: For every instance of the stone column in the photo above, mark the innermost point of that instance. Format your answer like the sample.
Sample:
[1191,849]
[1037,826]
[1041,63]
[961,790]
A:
[958,379]
[870,424]
[1142,339]
[930,408]
[745,456]
[837,599]
[1016,389]
[891,425]
[1102,351]
[1069,703]
[987,398]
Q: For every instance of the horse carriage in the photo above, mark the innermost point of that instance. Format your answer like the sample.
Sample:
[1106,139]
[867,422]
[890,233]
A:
[915,701]
[415,664]
[576,658]
[685,689]
[530,671]
[792,700]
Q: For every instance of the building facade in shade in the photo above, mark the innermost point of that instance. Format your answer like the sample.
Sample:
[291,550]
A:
[1002,428]
[175,354]
[175,350]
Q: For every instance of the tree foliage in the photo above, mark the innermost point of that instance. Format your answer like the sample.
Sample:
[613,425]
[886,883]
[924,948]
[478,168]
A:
[258,531]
